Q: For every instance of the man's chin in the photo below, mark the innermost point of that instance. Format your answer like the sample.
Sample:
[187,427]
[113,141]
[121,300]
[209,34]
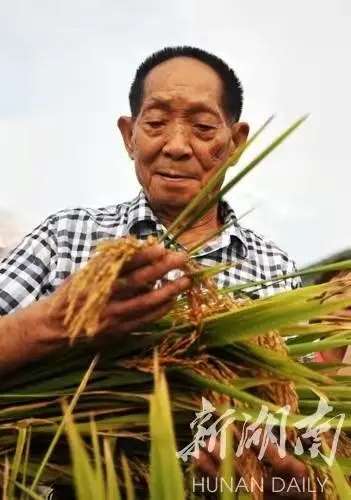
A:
[164,201]
[172,197]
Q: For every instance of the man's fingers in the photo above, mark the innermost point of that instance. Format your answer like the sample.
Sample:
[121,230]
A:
[123,291]
[151,273]
[137,324]
[206,464]
[146,256]
[284,465]
[143,303]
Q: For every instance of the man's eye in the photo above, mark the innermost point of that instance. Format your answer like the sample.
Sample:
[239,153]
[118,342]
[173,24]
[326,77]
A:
[202,127]
[155,123]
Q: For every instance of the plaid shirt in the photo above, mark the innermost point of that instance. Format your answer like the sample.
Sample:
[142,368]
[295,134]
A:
[65,240]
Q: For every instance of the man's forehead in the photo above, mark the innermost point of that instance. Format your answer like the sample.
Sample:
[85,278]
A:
[184,81]
[168,100]
[183,76]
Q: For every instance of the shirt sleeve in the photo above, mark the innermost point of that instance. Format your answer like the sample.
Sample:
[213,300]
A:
[25,272]
[292,283]
[280,282]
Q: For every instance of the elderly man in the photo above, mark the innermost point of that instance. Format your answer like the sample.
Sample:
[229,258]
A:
[185,110]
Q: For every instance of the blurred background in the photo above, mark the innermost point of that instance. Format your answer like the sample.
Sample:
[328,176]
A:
[66,67]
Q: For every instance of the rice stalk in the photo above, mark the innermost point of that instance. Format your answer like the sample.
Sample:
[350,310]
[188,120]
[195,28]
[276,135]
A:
[212,344]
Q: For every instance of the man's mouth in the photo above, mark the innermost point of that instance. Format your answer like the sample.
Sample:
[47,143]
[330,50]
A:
[174,176]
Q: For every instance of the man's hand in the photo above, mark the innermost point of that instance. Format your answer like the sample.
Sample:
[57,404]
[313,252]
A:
[283,470]
[135,302]
[38,329]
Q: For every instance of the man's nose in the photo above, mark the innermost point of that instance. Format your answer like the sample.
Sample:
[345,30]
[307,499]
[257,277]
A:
[177,145]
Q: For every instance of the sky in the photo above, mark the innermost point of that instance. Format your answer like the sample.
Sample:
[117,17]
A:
[66,67]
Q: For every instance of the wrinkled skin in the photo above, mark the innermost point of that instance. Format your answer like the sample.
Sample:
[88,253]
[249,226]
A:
[36,330]
[180,137]
[174,156]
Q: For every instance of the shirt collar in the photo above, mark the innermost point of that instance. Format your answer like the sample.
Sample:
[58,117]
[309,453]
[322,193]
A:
[139,209]
[142,222]
[233,235]
[140,218]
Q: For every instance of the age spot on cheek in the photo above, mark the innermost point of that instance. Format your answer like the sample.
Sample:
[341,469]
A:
[218,151]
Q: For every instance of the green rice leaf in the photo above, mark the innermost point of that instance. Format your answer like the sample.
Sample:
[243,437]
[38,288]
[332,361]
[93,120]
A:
[227,471]
[341,485]
[85,482]
[112,490]
[15,466]
[166,481]
[308,271]
[60,428]
[99,472]
[130,493]
[215,196]
[263,315]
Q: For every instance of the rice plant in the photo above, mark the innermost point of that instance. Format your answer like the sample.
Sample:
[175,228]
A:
[109,424]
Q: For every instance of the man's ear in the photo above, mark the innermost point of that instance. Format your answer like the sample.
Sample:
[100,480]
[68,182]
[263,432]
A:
[240,132]
[125,125]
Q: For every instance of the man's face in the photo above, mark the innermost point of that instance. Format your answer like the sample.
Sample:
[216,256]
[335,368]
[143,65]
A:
[181,135]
